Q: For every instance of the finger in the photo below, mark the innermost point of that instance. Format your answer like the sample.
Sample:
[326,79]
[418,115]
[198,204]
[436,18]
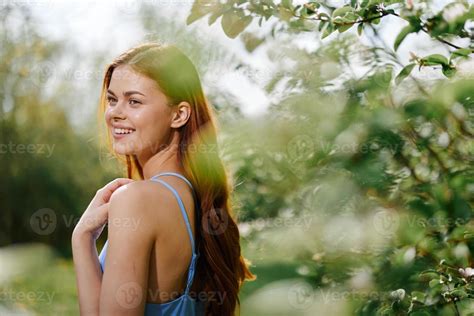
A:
[102,215]
[104,211]
[111,187]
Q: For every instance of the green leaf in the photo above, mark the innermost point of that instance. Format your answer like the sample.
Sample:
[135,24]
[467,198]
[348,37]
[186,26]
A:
[198,10]
[285,13]
[430,273]
[459,293]
[469,235]
[344,18]
[321,25]
[418,296]
[287,4]
[401,36]
[342,11]
[360,28]
[462,52]
[343,28]
[376,21]
[449,71]
[434,283]
[215,15]
[233,24]
[435,59]
[328,30]
[405,72]
[311,7]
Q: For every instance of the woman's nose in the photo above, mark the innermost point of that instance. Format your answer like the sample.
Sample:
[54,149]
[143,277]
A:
[117,111]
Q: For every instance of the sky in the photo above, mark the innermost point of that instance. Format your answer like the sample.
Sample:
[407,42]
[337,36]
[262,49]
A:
[91,27]
[114,26]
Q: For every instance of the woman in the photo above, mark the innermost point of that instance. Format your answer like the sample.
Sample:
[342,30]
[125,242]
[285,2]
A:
[172,248]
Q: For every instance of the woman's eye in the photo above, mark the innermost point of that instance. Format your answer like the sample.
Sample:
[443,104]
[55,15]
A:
[136,102]
[110,100]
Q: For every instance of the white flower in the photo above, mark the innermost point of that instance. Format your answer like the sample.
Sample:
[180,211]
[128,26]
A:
[443,140]
[467,273]
[398,294]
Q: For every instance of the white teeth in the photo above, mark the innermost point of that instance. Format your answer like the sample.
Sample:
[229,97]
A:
[122,131]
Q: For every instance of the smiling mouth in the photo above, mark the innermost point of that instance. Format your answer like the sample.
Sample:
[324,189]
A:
[121,132]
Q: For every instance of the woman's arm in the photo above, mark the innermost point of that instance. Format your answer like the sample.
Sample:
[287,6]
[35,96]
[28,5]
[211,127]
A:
[86,262]
[88,273]
[131,237]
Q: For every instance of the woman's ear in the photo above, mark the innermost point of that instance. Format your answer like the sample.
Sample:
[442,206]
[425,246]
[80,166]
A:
[181,114]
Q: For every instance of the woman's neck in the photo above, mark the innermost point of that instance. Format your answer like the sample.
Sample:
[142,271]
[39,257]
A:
[162,161]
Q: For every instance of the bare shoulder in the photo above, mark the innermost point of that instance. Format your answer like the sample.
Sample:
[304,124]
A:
[145,200]
[137,193]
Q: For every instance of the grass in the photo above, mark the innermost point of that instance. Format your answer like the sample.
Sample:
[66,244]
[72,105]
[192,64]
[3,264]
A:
[47,290]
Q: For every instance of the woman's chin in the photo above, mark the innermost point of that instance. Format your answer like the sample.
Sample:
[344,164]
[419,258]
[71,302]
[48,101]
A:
[122,149]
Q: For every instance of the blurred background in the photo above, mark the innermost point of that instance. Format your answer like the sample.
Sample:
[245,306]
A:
[346,125]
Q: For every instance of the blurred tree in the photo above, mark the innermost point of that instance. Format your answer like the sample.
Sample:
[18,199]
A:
[50,171]
[376,152]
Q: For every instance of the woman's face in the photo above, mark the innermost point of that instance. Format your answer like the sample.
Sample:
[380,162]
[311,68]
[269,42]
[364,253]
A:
[137,113]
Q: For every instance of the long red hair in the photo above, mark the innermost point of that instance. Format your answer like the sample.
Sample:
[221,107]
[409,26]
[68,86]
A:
[221,269]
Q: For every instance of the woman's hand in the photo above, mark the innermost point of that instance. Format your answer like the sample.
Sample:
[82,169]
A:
[95,217]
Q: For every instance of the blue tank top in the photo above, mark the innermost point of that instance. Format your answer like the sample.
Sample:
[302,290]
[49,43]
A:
[184,304]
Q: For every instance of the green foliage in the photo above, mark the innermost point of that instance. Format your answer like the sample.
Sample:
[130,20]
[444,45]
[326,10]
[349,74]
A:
[47,164]
[380,164]
[447,23]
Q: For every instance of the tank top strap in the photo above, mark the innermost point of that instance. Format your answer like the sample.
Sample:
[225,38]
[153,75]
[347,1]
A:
[176,175]
[169,173]
[195,255]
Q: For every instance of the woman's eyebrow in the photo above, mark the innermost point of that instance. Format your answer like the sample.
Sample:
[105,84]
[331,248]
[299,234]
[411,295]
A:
[126,93]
